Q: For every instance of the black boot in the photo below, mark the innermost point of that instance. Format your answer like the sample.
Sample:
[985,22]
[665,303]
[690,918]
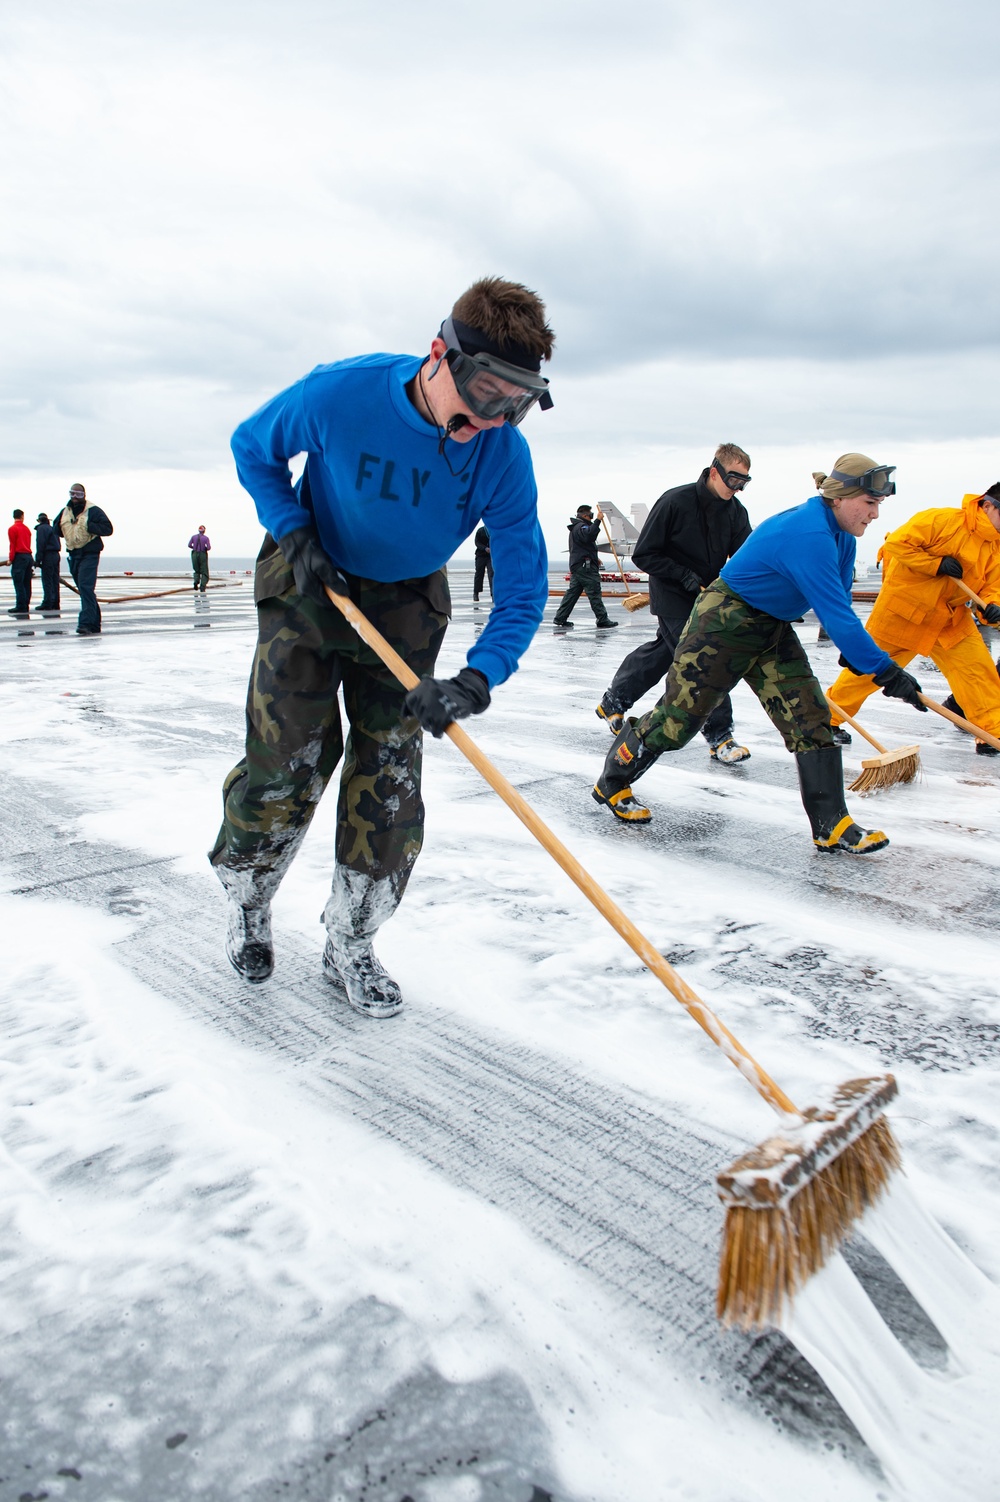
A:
[628,759]
[249,946]
[611,712]
[248,941]
[357,908]
[821,783]
[364,980]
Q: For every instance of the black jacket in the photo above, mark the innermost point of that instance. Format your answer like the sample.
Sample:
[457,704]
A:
[583,542]
[47,542]
[688,530]
[97,523]
[482,540]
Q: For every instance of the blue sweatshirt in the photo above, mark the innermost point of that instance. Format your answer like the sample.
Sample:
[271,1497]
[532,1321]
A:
[385,503]
[803,560]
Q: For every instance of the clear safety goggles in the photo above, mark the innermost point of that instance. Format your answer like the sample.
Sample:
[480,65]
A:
[489,386]
[733,479]
[877,482]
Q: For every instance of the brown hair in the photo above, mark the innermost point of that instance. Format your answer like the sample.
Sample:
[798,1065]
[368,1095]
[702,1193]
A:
[508,314]
[730,454]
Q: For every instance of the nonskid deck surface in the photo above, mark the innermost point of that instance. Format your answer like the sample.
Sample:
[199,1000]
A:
[218,609]
[616,1181]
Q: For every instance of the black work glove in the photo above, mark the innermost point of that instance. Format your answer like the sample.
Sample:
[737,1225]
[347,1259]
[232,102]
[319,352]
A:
[991,615]
[437,701]
[849,666]
[897,683]
[691,582]
[311,567]
[950,566]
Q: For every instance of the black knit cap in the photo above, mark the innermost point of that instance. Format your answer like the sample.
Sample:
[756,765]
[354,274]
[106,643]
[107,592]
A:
[993,492]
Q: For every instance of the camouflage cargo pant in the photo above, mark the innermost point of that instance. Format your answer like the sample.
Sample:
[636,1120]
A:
[725,640]
[305,651]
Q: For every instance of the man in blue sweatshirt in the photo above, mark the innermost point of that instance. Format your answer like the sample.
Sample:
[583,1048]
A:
[404,457]
[800,560]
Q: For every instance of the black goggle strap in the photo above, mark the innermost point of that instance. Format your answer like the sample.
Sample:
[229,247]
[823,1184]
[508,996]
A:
[864,481]
[734,478]
[489,358]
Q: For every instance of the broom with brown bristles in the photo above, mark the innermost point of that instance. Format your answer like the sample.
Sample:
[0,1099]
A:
[884,770]
[631,602]
[636,602]
[794,1199]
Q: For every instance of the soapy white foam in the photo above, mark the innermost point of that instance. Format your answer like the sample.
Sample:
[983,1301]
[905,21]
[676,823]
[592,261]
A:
[934,1433]
[240,1203]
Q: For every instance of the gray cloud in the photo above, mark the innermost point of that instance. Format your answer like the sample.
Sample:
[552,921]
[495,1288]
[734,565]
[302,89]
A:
[765,211]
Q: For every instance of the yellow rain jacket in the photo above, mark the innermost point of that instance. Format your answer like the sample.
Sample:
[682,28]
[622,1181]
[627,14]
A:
[916,607]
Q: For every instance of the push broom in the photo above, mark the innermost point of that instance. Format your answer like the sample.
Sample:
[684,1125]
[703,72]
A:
[631,601]
[885,769]
[794,1199]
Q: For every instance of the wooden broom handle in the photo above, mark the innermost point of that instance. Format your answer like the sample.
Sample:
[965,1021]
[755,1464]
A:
[971,593]
[855,726]
[956,719]
[607,532]
[651,958]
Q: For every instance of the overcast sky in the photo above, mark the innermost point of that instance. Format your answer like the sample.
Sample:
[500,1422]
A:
[774,222]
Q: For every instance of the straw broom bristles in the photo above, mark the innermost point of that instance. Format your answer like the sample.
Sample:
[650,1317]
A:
[901,765]
[885,769]
[788,1210]
[635,602]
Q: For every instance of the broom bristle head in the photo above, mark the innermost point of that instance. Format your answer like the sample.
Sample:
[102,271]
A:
[885,771]
[793,1200]
[635,602]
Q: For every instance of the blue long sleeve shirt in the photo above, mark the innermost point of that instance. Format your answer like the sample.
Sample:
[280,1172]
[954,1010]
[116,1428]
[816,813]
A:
[385,503]
[802,560]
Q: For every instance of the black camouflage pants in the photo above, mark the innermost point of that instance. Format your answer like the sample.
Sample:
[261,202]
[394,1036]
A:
[725,640]
[305,651]
[585,578]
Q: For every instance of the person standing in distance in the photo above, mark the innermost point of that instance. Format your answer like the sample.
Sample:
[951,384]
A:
[20,559]
[585,570]
[82,528]
[405,456]
[47,549]
[200,548]
[484,564]
[690,533]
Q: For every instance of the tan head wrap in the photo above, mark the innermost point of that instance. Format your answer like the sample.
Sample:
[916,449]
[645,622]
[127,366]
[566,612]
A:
[848,464]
